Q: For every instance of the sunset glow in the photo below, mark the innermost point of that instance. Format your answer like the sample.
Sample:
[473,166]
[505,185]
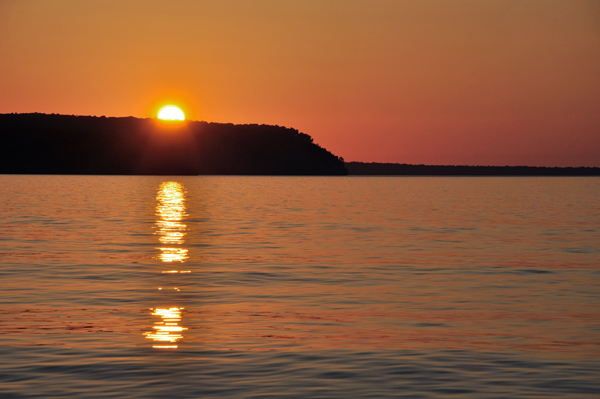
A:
[171,113]
[300,198]
[458,83]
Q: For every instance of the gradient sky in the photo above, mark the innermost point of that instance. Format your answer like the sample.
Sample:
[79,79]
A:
[486,82]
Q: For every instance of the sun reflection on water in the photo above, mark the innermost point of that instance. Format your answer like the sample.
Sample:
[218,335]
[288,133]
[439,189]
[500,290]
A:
[168,330]
[171,229]
[170,212]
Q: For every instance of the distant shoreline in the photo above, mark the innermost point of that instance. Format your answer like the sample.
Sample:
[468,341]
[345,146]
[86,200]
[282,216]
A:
[397,169]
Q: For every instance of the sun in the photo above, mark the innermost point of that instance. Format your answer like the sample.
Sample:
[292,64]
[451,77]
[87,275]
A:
[171,113]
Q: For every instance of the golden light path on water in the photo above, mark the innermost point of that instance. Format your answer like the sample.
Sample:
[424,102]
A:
[171,230]
[168,330]
[170,212]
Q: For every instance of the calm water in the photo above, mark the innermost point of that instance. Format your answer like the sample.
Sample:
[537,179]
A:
[301,287]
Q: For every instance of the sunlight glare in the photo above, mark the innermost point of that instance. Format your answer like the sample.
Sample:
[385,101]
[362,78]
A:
[167,330]
[171,229]
[171,113]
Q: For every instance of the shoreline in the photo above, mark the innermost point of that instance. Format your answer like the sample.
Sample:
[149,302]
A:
[396,169]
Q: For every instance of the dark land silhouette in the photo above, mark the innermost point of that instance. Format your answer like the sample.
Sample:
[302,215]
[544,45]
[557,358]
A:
[397,169]
[63,144]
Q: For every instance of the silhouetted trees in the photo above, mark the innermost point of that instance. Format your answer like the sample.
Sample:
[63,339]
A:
[383,169]
[63,144]
[66,144]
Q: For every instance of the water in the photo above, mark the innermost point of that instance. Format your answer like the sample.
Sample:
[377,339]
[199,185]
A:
[298,287]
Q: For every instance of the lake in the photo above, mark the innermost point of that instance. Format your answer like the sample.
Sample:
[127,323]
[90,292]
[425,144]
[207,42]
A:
[299,287]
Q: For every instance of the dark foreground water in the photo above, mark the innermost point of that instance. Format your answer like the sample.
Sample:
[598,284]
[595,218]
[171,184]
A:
[303,287]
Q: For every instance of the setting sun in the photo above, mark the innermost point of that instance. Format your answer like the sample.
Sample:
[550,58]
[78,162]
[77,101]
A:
[171,113]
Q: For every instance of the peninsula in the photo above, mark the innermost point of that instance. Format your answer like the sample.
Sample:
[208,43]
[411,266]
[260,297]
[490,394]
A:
[65,144]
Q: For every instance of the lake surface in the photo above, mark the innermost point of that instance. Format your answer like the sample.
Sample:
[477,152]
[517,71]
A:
[299,287]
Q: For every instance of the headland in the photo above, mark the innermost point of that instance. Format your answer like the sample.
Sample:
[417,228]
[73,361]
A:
[66,144]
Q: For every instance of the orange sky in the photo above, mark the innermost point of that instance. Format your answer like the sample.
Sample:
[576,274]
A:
[492,82]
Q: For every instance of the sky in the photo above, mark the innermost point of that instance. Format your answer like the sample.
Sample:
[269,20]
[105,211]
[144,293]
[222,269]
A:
[485,82]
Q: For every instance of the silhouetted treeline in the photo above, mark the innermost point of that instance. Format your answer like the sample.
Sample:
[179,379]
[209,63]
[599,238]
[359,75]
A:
[374,168]
[62,144]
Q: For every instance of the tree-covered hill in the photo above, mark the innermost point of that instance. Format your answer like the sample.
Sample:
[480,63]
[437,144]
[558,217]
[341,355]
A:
[64,144]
